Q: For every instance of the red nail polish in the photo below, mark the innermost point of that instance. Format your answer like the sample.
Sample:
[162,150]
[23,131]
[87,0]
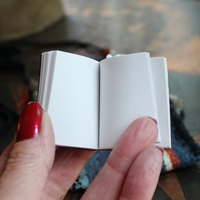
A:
[30,122]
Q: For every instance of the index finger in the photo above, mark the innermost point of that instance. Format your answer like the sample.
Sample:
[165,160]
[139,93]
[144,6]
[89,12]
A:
[141,134]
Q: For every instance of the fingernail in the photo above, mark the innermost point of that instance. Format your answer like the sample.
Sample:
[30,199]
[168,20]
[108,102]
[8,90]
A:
[30,122]
[153,119]
[161,149]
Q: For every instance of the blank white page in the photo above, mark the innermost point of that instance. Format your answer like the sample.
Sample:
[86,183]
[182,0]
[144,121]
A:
[126,93]
[44,78]
[160,80]
[73,103]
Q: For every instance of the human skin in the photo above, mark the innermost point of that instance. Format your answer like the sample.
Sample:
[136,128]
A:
[32,168]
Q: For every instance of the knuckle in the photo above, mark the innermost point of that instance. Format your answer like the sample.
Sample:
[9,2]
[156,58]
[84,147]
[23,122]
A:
[55,191]
[115,167]
[21,157]
[122,159]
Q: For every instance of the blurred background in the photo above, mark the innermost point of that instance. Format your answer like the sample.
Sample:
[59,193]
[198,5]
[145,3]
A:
[168,28]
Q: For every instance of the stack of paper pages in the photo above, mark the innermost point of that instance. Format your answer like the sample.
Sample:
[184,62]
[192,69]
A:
[92,103]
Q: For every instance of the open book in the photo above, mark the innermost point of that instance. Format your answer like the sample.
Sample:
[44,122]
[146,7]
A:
[92,103]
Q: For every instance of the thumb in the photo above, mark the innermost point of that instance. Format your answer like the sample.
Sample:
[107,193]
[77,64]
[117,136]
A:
[31,156]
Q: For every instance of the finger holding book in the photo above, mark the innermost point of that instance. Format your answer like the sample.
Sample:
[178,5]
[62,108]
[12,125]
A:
[133,167]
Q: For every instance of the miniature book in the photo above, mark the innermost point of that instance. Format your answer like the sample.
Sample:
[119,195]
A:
[92,103]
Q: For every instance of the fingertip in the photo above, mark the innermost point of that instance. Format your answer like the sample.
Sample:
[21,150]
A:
[141,134]
[146,122]
[151,162]
[30,158]
[45,117]
[47,134]
[144,128]
[160,149]
[46,120]
[143,175]
[47,127]
[156,153]
[154,120]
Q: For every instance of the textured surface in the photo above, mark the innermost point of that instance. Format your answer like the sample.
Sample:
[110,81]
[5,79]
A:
[22,18]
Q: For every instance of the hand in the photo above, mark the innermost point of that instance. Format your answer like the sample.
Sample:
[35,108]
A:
[31,169]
